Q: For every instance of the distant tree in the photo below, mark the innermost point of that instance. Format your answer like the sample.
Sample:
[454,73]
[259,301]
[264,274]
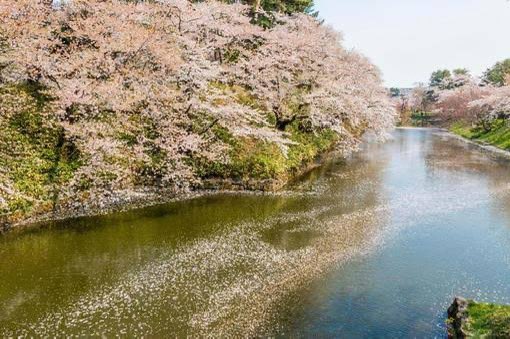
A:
[263,11]
[439,76]
[422,98]
[497,74]
[395,92]
[456,105]
[461,77]
[446,80]
[287,6]
[401,103]
[494,105]
[460,71]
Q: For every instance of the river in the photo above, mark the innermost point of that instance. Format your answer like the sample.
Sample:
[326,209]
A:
[376,245]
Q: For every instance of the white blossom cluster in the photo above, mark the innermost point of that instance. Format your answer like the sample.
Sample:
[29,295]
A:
[463,98]
[138,87]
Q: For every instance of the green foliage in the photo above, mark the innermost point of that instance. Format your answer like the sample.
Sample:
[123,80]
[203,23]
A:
[151,171]
[496,75]
[395,92]
[460,128]
[498,134]
[488,320]
[239,93]
[232,56]
[285,6]
[310,145]
[34,150]
[437,77]
[460,71]
[422,119]
[288,6]
[128,138]
[252,158]
[265,20]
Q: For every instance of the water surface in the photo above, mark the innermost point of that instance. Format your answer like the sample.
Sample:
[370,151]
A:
[375,245]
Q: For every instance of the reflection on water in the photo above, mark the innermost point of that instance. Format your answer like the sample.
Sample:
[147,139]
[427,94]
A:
[450,236]
[375,245]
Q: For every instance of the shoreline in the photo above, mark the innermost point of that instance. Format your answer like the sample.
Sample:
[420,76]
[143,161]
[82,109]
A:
[468,318]
[124,201]
[488,148]
[130,200]
[118,204]
[43,220]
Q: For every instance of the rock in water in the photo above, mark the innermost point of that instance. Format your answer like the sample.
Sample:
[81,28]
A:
[457,318]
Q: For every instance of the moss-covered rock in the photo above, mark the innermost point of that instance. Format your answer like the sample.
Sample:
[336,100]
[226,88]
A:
[469,319]
[488,320]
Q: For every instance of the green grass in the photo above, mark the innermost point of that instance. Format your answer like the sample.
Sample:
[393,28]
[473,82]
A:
[252,158]
[309,146]
[488,320]
[498,135]
[34,152]
[463,130]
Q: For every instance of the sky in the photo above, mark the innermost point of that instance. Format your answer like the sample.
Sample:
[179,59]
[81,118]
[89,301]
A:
[409,39]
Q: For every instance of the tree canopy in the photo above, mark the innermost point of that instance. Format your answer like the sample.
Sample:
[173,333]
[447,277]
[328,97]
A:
[169,94]
[437,77]
[498,74]
[460,71]
[288,6]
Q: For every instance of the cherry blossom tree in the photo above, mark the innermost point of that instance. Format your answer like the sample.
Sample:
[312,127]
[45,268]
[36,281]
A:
[140,87]
[494,105]
[456,105]
[463,98]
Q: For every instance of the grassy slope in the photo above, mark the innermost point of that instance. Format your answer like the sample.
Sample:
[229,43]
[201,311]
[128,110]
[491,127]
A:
[37,160]
[252,158]
[498,136]
[258,159]
[34,157]
[489,320]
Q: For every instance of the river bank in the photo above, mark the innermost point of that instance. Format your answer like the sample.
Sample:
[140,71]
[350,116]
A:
[496,140]
[354,248]
[44,176]
[124,200]
[468,318]
[456,134]
[250,107]
[490,149]
[119,201]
